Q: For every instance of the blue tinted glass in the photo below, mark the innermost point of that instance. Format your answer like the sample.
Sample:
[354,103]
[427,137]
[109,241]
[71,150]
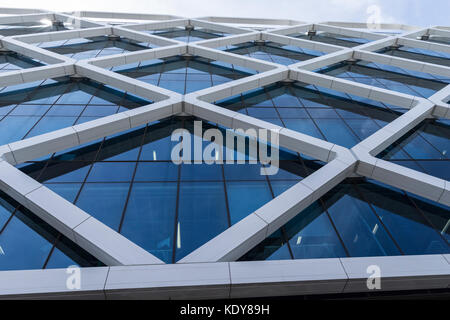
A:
[202,215]
[312,235]
[22,248]
[150,217]
[104,201]
[361,230]
[424,148]
[26,242]
[403,220]
[201,172]
[50,105]
[255,193]
[387,77]
[185,74]
[322,113]
[111,171]
[129,182]
[156,171]
[68,191]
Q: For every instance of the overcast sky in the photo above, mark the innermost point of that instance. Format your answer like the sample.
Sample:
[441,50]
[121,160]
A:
[413,12]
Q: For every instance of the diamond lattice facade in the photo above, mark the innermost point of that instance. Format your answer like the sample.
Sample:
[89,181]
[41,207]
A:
[88,104]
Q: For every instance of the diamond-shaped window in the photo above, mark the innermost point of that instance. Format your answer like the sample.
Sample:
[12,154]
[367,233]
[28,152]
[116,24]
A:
[273,52]
[388,77]
[93,47]
[425,148]
[331,38]
[39,23]
[12,61]
[436,39]
[418,54]
[35,108]
[27,242]
[360,218]
[188,35]
[325,114]
[129,182]
[184,74]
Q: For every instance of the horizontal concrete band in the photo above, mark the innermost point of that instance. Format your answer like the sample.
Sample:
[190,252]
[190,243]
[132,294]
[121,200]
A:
[232,279]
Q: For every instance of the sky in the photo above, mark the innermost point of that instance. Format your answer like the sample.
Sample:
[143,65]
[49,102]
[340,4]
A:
[412,12]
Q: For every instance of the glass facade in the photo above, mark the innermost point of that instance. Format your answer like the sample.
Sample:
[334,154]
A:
[184,74]
[129,182]
[93,47]
[27,242]
[322,113]
[331,38]
[423,55]
[35,108]
[438,39]
[388,77]
[273,52]
[187,35]
[16,29]
[11,61]
[360,218]
[425,149]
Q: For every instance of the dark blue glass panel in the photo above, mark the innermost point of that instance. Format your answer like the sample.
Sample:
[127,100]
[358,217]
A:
[388,77]
[68,191]
[111,171]
[129,182]
[182,34]
[255,193]
[184,74]
[360,229]
[40,107]
[331,38]
[322,113]
[399,215]
[201,172]
[150,217]
[311,235]
[104,201]
[424,148]
[273,52]
[26,242]
[87,48]
[202,215]
[156,171]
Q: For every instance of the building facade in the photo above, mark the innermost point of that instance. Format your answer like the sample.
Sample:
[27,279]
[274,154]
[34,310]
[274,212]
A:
[93,205]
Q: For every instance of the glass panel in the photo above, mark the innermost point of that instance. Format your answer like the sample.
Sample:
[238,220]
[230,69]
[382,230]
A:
[360,218]
[128,182]
[188,35]
[93,47]
[322,113]
[388,77]
[27,242]
[273,52]
[425,148]
[50,105]
[183,74]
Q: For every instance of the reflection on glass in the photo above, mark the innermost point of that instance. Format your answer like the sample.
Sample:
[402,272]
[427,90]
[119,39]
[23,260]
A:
[360,218]
[128,182]
[322,113]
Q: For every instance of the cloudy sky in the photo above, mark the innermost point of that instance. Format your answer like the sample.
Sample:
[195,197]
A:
[413,12]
